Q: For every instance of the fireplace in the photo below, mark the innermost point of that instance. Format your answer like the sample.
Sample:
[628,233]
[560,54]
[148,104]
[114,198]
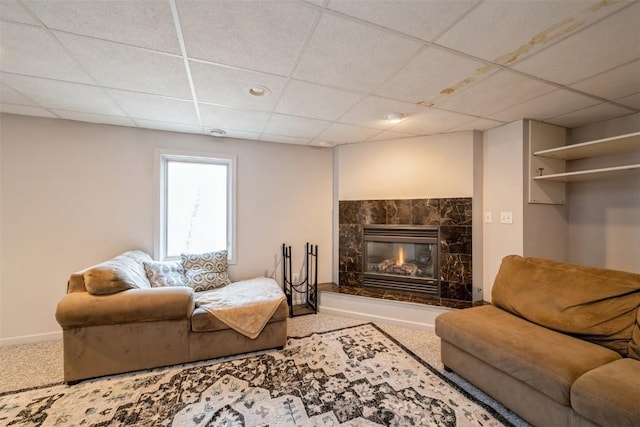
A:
[404,258]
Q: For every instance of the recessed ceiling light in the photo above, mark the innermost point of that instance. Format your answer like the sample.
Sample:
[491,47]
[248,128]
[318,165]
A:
[394,117]
[216,132]
[259,91]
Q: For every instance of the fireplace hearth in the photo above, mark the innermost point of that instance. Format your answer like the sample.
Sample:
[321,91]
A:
[404,258]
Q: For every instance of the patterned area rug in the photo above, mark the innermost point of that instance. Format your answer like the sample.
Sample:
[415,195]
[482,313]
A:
[357,376]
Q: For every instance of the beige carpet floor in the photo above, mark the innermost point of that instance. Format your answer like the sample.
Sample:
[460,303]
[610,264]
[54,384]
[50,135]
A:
[31,365]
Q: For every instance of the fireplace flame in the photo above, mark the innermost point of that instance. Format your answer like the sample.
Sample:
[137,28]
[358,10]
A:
[400,258]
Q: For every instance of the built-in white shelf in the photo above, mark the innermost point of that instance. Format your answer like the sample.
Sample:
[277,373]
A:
[602,147]
[627,143]
[591,174]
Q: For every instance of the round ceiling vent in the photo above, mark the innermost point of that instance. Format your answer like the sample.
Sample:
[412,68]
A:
[216,132]
[259,91]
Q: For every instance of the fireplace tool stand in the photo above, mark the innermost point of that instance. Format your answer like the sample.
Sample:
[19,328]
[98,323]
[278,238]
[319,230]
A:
[307,288]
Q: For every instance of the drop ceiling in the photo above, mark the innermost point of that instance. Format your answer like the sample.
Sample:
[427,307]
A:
[333,69]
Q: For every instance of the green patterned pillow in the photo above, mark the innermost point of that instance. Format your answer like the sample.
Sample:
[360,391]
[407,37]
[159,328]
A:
[165,273]
[206,271]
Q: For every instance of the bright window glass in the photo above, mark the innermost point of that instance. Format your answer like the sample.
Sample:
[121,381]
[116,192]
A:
[196,205]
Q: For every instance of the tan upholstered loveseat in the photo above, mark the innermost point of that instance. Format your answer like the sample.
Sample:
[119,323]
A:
[139,326]
[560,346]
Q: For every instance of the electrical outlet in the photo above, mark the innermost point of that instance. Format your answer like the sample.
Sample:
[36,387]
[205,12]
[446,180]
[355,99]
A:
[487,217]
[506,217]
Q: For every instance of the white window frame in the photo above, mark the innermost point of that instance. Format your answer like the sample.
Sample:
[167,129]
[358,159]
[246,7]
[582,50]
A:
[162,156]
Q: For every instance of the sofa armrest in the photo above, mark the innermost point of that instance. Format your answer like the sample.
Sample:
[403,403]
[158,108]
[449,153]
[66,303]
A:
[80,309]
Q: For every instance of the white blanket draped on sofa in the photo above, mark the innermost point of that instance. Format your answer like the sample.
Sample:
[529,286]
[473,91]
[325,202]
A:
[244,306]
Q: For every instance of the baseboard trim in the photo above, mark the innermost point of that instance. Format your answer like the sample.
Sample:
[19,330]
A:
[405,314]
[30,339]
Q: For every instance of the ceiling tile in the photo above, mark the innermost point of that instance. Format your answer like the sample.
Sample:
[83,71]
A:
[317,143]
[140,23]
[239,134]
[158,108]
[258,35]
[372,110]
[631,101]
[431,121]
[168,126]
[592,51]
[119,66]
[32,51]
[63,95]
[418,18]
[10,96]
[300,127]
[388,135]
[479,124]
[340,133]
[589,115]
[353,56]
[230,118]
[315,101]
[497,92]
[228,86]
[548,105]
[10,10]
[120,60]
[616,83]
[95,118]
[506,31]
[284,139]
[432,74]
[25,110]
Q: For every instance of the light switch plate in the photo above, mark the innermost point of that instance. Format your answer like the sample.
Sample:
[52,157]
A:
[506,217]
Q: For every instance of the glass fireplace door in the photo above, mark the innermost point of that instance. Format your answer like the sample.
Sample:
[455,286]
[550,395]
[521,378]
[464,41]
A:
[401,258]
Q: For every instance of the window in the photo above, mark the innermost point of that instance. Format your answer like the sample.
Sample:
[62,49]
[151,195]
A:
[197,195]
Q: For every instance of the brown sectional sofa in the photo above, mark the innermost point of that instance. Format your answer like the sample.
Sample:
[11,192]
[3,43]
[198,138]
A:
[140,327]
[560,344]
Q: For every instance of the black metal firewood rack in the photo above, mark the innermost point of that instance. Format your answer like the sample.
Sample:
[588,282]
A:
[307,287]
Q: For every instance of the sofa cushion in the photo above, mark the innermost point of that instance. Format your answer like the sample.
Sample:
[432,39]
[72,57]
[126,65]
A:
[81,309]
[593,304]
[206,271]
[609,395]
[546,360]
[165,273]
[118,274]
[634,344]
[203,321]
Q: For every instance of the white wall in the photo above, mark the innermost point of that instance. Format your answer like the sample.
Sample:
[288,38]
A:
[436,166]
[604,215]
[74,194]
[503,192]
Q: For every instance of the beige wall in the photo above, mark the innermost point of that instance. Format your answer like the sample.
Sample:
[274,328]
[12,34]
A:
[74,194]
[434,166]
[604,215]
[503,192]
[598,226]
[545,226]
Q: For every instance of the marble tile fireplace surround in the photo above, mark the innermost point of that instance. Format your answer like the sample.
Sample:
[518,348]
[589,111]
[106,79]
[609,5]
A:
[450,218]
